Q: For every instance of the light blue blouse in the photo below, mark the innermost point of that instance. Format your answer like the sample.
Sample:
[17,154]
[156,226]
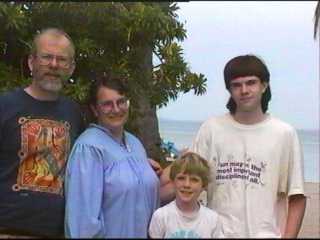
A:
[111,189]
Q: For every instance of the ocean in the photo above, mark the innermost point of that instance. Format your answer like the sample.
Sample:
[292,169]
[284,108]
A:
[181,133]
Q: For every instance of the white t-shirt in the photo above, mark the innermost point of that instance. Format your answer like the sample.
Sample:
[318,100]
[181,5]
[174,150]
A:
[170,222]
[253,169]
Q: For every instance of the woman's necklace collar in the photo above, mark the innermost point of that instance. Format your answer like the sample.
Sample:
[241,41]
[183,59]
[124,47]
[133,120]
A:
[123,142]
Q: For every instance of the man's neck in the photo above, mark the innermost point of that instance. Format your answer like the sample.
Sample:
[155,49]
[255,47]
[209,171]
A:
[249,117]
[38,94]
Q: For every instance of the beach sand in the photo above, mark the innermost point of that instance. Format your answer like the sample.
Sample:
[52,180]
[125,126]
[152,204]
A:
[311,222]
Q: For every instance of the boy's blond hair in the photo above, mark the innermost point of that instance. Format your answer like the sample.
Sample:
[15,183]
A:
[191,163]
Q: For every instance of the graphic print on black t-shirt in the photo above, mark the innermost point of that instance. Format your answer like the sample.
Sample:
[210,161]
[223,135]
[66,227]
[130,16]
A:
[44,148]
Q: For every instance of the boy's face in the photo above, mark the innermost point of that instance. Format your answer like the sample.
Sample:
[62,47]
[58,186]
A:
[188,187]
[247,93]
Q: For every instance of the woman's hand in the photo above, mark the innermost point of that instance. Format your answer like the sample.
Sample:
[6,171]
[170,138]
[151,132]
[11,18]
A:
[156,166]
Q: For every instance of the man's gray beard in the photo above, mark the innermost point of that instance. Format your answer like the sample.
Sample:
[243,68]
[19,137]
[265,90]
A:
[51,86]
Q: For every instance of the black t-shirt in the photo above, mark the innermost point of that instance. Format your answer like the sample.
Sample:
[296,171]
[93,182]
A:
[35,140]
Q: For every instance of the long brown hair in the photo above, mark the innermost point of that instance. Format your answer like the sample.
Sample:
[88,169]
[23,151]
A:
[247,65]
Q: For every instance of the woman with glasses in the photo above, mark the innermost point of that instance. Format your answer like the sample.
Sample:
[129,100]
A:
[111,189]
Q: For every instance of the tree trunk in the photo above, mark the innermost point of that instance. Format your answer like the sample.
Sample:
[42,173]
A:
[147,129]
[145,122]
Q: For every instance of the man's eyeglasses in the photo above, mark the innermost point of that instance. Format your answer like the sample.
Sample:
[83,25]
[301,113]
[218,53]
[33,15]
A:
[46,59]
[109,105]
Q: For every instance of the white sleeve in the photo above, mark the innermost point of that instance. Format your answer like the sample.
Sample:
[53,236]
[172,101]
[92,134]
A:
[296,171]
[201,143]
[157,225]
[217,232]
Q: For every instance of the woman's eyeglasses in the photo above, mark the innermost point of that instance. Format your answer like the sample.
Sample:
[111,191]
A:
[109,105]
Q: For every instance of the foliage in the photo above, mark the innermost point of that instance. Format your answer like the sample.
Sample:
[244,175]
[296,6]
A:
[139,39]
[9,78]
[111,35]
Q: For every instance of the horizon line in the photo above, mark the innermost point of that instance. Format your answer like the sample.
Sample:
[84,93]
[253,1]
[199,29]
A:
[200,121]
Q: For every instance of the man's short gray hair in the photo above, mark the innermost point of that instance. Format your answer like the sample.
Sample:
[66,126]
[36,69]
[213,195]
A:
[55,32]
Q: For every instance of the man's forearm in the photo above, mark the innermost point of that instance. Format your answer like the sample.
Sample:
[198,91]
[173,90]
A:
[296,209]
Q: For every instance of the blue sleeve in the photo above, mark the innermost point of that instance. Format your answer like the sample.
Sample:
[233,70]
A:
[84,192]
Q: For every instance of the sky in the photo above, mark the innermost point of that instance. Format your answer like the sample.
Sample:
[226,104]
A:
[281,33]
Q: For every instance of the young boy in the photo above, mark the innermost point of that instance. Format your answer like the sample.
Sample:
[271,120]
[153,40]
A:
[185,217]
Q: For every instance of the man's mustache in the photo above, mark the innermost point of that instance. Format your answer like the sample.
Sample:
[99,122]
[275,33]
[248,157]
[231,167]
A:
[62,76]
